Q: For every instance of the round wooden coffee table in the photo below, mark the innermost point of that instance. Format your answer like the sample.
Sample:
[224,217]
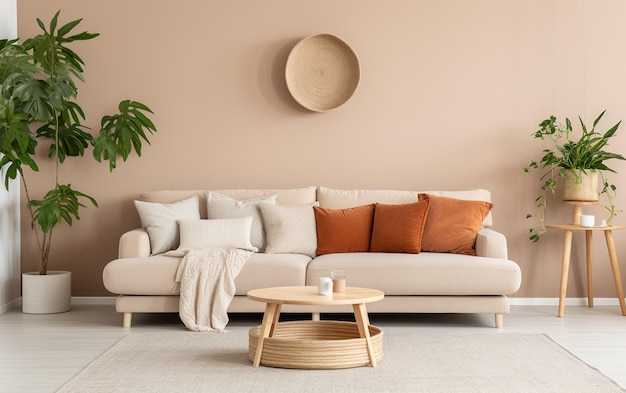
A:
[307,295]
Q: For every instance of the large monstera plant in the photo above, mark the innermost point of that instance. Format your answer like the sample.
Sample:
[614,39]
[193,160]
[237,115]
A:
[38,102]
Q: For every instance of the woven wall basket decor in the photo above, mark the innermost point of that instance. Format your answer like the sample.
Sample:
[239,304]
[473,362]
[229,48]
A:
[322,72]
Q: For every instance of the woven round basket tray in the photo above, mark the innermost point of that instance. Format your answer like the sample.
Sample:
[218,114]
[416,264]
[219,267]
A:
[322,72]
[316,345]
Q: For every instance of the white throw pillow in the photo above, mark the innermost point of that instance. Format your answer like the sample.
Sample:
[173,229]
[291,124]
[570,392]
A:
[218,233]
[160,221]
[289,229]
[221,206]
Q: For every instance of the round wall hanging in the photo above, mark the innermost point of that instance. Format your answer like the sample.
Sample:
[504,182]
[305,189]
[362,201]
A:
[322,72]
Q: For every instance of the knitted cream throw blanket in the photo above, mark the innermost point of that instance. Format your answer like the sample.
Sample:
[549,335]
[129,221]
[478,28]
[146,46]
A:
[207,286]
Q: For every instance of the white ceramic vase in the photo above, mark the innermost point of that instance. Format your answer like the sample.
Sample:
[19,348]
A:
[46,294]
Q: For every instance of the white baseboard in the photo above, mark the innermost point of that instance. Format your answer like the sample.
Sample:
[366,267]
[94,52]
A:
[76,300]
[97,300]
[553,301]
[10,305]
[515,301]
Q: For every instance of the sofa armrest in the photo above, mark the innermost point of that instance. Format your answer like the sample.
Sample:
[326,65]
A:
[134,243]
[490,243]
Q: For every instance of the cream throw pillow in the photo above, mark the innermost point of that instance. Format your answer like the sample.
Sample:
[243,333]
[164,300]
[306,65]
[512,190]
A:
[222,206]
[160,221]
[289,229]
[218,233]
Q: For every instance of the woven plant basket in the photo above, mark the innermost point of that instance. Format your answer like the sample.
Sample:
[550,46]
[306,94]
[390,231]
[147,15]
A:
[585,189]
[316,345]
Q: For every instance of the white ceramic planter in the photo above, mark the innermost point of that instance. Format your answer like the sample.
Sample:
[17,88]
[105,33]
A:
[585,191]
[46,294]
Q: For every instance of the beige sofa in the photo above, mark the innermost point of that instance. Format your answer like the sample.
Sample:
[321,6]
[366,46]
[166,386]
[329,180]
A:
[428,282]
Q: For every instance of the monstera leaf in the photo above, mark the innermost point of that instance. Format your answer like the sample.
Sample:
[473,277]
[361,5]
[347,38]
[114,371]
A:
[122,133]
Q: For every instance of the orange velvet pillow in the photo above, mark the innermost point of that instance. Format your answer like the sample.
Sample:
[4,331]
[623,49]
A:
[452,224]
[343,230]
[399,228]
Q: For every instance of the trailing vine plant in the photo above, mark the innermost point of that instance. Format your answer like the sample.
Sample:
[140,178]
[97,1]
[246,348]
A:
[566,153]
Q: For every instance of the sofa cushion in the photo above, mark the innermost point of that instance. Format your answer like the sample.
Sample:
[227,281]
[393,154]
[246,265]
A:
[222,206]
[452,224]
[218,233]
[141,276]
[399,228]
[160,221]
[426,273]
[344,230]
[340,199]
[155,275]
[272,270]
[289,229]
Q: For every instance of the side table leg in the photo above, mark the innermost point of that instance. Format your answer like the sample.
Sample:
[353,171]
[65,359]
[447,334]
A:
[615,267]
[567,249]
[266,327]
[362,322]
[589,244]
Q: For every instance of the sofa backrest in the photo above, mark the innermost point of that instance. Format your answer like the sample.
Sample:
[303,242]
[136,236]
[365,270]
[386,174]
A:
[327,197]
[292,196]
[341,199]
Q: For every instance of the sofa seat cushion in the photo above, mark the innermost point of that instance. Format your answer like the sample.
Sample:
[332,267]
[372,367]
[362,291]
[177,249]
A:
[155,275]
[421,274]
[272,270]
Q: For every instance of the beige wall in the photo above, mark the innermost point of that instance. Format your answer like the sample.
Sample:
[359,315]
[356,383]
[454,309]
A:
[449,95]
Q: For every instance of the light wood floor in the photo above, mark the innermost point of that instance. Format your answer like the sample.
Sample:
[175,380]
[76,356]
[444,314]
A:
[39,353]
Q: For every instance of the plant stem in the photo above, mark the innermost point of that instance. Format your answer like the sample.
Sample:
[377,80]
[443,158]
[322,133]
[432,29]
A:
[46,251]
[43,267]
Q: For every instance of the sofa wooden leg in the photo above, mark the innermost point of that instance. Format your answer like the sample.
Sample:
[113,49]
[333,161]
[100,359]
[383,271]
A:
[499,321]
[128,317]
[315,316]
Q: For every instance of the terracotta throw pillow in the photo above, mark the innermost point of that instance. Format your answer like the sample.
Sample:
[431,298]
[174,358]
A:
[343,230]
[452,224]
[399,228]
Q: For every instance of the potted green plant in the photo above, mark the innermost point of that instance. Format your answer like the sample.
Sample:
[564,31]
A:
[38,102]
[577,162]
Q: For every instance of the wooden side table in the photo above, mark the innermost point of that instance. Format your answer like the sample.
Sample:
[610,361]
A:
[567,248]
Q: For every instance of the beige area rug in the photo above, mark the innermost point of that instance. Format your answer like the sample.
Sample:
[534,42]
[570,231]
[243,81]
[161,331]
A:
[185,361]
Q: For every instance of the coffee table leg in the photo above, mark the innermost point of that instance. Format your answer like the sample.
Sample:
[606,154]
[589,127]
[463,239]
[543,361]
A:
[272,311]
[363,322]
[275,320]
